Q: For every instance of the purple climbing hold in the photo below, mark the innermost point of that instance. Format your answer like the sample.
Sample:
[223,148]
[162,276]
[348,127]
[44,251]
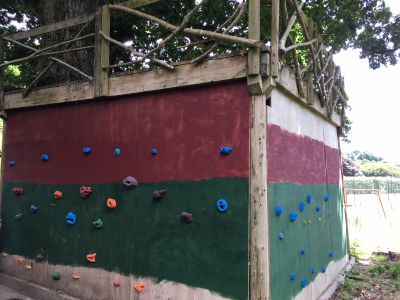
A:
[157,195]
[186,217]
[39,257]
[130,182]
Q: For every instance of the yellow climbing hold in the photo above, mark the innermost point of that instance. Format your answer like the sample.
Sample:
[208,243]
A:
[76,277]
[4,254]
[28,267]
[309,221]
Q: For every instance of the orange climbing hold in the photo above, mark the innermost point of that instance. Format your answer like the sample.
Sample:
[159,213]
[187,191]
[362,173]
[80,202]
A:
[57,195]
[91,257]
[139,287]
[76,277]
[111,203]
[28,267]
[20,260]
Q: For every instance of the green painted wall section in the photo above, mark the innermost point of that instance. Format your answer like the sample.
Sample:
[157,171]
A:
[326,233]
[140,237]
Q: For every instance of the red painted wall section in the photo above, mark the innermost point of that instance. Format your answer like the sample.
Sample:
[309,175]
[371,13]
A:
[186,126]
[300,159]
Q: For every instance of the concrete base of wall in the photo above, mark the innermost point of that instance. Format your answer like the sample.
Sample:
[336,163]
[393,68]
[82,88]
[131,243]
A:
[32,290]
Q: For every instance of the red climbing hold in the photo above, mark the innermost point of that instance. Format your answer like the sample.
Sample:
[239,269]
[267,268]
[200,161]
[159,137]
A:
[91,258]
[85,191]
[117,283]
[57,195]
[111,203]
[18,191]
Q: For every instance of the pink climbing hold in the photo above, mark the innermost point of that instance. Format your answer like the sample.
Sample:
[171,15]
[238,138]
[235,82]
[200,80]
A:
[18,191]
[130,182]
[85,191]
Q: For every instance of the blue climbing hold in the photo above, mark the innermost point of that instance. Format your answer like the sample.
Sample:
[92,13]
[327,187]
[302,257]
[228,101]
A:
[326,198]
[154,151]
[293,276]
[44,157]
[309,198]
[34,208]
[12,163]
[225,150]
[278,210]
[304,282]
[70,218]
[222,205]
[302,206]
[86,150]
[317,208]
[313,270]
[330,254]
[302,251]
[117,152]
[293,216]
[323,270]
[281,235]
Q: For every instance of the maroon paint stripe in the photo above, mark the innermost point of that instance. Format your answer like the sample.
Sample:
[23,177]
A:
[187,126]
[300,159]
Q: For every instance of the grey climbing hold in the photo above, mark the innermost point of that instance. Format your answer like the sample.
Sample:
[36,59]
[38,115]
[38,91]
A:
[130,182]
[18,217]
[158,194]
[98,224]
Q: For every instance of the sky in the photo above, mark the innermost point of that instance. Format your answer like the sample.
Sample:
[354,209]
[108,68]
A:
[374,101]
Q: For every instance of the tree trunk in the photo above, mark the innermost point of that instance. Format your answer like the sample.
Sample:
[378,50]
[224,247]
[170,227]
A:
[51,11]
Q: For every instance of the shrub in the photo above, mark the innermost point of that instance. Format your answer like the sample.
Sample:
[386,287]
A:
[371,169]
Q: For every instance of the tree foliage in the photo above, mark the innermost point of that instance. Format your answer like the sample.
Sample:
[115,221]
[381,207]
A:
[364,156]
[351,168]
[375,169]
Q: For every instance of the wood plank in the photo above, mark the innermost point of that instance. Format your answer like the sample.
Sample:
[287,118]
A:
[221,69]
[254,34]
[137,3]
[102,52]
[275,39]
[52,27]
[258,205]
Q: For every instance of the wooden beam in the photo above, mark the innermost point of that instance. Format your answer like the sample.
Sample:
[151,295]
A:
[2,47]
[275,39]
[254,34]
[51,27]
[258,204]
[137,3]
[102,52]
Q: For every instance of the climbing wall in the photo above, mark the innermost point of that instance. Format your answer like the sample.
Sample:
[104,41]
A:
[178,223]
[306,218]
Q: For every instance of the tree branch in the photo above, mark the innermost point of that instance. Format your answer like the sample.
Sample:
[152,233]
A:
[292,20]
[299,45]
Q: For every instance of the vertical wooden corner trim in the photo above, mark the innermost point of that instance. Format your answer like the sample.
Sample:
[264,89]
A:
[2,51]
[253,63]
[102,53]
[259,284]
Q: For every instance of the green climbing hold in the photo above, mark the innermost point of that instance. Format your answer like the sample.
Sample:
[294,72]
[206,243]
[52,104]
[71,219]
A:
[98,223]
[18,217]
[56,276]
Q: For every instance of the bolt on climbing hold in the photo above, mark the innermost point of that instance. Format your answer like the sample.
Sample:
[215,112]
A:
[305,222]
[317,208]
[57,195]
[309,221]
[4,254]
[139,287]
[39,257]
[323,270]
[157,195]
[34,208]
[56,276]
[293,276]
[302,206]
[326,198]
[85,192]
[44,157]
[309,198]
[98,224]
[130,182]
[302,251]
[20,260]
[222,205]
[117,152]
[313,270]
[86,150]
[28,267]
[70,218]
[18,191]
[76,277]
[154,151]
[293,216]
[117,283]
[91,258]
[12,163]
[330,254]
[320,219]
[278,210]
[281,235]
[111,203]
[225,150]
[304,282]
[186,217]
[18,216]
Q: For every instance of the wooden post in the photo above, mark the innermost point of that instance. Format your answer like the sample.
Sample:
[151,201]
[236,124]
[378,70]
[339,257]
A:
[258,205]
[275,39]
[311,71]
[2,47]
[254,34]
[102,52]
